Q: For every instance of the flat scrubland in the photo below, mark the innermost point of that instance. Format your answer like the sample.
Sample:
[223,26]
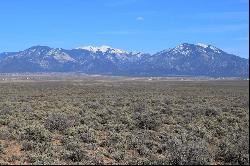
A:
[116,120]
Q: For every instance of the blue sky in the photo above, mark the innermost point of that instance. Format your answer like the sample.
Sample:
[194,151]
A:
[140,25]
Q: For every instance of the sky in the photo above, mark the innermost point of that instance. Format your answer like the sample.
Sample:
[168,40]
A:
[133,25]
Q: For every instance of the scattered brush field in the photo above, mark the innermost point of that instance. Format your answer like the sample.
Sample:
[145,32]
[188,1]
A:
[124,121]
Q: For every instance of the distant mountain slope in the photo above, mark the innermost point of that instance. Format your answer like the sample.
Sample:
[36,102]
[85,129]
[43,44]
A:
[190,59]
[185,59]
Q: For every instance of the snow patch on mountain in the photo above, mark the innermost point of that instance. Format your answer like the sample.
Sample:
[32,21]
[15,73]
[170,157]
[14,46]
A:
[103,49]
[215,49]
[138,54]
[210,47]
[44,64]
[60,56]
[181,49]
[203,45]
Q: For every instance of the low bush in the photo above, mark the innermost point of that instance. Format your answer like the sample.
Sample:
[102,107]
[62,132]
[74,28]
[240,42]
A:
[36,133]
[57,121]
[1,148]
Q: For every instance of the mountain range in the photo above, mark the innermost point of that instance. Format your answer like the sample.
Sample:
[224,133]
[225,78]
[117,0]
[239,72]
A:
[184,60]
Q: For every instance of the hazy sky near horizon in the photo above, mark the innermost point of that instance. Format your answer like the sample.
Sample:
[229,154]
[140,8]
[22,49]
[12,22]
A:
[139,25]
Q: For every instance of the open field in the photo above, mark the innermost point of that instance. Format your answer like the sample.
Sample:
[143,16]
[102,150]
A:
[122,120]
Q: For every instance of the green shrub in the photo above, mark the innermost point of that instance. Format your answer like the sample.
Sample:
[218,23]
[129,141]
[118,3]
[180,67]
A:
[74,152]
[179,152]
[57,121]
[234,151]
[76,155]
[36,133]
[39,159]
[147,119]
[1,148]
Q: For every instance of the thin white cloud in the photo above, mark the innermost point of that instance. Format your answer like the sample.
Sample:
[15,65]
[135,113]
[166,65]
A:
[139,18]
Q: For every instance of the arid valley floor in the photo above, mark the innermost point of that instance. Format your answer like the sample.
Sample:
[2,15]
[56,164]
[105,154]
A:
[122,120]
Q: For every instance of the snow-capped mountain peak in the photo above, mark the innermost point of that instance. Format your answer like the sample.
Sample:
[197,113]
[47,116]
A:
[203,45]
[191,49]
[95,49]
[104,49]
[215,49]
[183,49]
